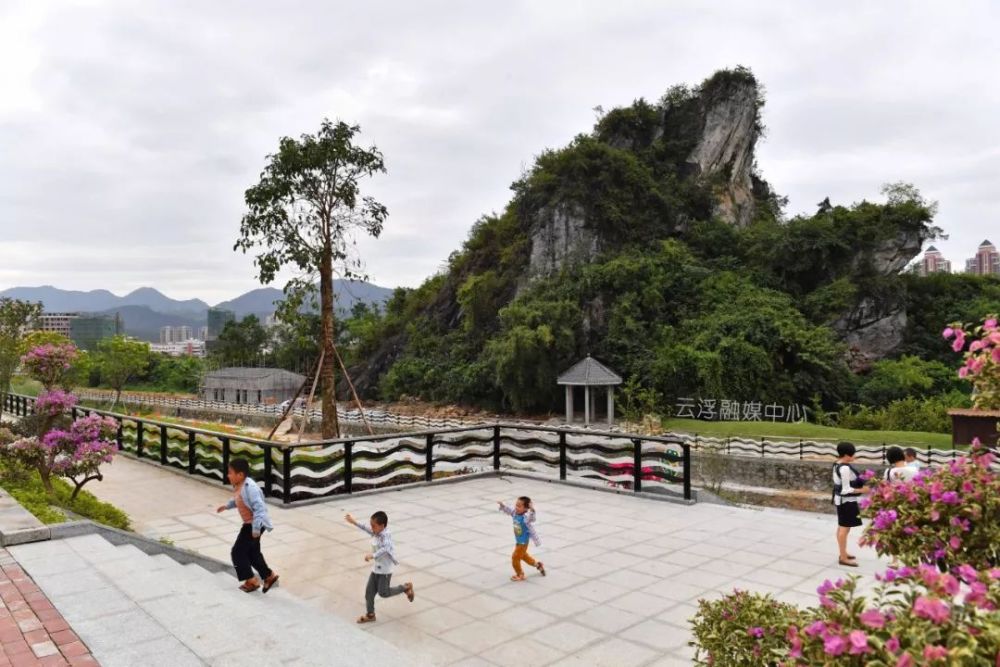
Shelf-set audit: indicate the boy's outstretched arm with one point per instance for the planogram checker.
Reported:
(351, 520)
(505, 509)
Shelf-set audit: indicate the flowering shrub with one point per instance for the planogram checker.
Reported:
(75, 453)
(52, 444)
(742, 629)
(981, 359)
(946, 515)
(80, 451)
(50, 363)
(54, 403)
(916, 616)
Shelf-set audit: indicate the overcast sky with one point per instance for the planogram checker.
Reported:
(129, 130)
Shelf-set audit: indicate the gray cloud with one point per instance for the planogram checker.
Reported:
(130, 130)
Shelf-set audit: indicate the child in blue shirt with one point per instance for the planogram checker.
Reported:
(523, 515)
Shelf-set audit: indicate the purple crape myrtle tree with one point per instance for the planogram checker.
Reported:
(52, 443)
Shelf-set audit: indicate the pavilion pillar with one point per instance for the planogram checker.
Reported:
(569, 404)
(586, 405)
(611, 405)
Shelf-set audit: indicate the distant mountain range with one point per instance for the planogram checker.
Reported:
(146, 309)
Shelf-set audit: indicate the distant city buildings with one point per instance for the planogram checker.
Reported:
(179, 334)
(191, 348)
(203, 333)
(985, 263)
(85, 330)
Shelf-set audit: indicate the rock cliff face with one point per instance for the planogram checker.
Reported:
(725, 151)
(876, 327)
(559, 236)
(715, 127)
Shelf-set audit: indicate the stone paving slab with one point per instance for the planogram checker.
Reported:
(625, 573)
(32, 630)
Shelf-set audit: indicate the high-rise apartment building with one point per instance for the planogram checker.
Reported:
(986, 262)
(934, 262)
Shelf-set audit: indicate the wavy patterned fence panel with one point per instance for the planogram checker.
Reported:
(315, 471)
(462, 452)
(531, 451)
(662, 466)
(388, 462)
(608, 460)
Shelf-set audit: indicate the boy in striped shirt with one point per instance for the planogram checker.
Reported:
(383, 559)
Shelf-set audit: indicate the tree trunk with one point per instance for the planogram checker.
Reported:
(331, 427)
(46, 478)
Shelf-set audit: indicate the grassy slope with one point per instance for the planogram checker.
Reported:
(757, 430)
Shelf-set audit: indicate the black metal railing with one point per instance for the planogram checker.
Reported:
(295, 472)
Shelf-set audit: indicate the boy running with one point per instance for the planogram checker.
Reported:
(383, 558)
(523, 515)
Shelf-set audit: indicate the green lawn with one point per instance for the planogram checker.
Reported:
(806, 431)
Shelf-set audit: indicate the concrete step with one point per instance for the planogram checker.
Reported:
(131, 608)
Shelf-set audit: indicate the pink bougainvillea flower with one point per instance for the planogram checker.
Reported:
(967, 573)
(933, 609)
(755, 632)
(815, 628)
(948, 333)
(934, 653)
(858, 641)
(905, 660)
(873, 618)
(834, 645)
(990, 324)
(892, 646)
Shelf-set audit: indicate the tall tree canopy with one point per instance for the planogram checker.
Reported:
(241, 343)
(303, 215)
(15, 316)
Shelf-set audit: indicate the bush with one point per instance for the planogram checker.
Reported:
(908, 414)
(916, 616)
(741, 630)
(946, 515)
(892, 380)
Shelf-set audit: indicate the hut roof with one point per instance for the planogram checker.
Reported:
(589, 372)
(253, 378)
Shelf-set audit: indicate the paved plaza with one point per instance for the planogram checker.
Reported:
(624, 573)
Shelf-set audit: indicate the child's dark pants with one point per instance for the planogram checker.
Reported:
(246, 555)
(379, 583)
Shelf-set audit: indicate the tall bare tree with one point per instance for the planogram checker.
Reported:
(304, 214)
